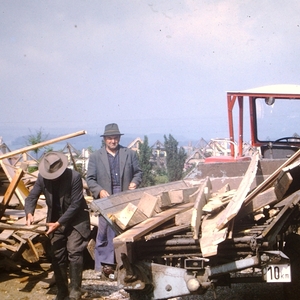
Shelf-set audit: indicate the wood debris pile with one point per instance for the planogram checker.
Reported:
(205, 220)
(235, 219)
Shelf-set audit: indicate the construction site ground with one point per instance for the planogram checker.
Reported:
(33, 284)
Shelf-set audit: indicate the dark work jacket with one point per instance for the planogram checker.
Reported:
(72, 202)
(98, 174)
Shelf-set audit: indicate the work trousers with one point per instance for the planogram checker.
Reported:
(67, 245)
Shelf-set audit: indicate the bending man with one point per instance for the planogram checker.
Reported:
(68, 221)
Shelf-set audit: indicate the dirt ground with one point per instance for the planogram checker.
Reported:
(36, 285)
(33, 284)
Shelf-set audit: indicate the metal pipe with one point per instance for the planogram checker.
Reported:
(234, 266)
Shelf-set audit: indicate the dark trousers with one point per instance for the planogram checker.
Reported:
(67, 246)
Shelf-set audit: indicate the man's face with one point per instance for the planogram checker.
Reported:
(112, 142)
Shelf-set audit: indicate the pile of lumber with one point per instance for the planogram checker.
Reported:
(223, 215)
(151, 205)
(17, 240)
(214, 218)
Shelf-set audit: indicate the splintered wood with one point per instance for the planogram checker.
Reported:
(223, 210)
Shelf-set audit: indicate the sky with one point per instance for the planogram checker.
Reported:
(150, 66)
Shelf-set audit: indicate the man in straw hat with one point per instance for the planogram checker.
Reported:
(111, 169)
(68, 220)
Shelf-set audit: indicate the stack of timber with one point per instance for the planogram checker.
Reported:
(150, 205)
(208, 221)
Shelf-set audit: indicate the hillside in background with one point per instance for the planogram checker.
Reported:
(92, 141)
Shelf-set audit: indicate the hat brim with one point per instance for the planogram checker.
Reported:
(47, 175)
(111, 134)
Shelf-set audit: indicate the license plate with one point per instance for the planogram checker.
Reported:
(277, 273)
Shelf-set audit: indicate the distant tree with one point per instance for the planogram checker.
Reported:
(144, 160)
(175, 158)
(90, 149)
(161, 175)
(33, 139)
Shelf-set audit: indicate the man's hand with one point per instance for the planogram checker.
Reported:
(103, 194)
(30, 219)
(132, 186)
(52, 227)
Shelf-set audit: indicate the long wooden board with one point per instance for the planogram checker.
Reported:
(10, 191)
(211, 236)
(236, 202)
(21, 191)
(203, 194)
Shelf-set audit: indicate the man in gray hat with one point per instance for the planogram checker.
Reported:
(111, 169)
(68, 220)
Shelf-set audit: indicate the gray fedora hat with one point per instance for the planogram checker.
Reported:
(53, 164)
(111, 129)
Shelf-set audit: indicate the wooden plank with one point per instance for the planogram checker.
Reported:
(117, 202)
(146, 226)
(40, 145)
(164, 200)
(9, 247)
(291, 201)
(166, 232)
(21, 191)
(215, 205)
(181, 195)
(123, 217)
(39, 215)
(31, 254)
(271, 179)
(15, 227)
(147, 204)
(218, 201)
(211, 236)
(214, 227)
(184, 218)
(176, 196)
(268, 197)
(201, 200)
(6, 234)
(235, 204)
(10, 191)
(284, 181)
(129, 216)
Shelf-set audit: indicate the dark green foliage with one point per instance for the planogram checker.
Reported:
(144, 160)
(175, 158)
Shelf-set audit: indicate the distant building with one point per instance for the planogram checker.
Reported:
(159, 154)
(134, 145)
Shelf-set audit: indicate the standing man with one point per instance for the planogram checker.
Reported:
(111, 169)
(68, 220)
